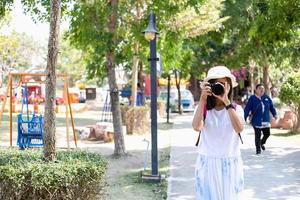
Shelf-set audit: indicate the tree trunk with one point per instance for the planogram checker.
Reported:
(49, 121)
(135, 60)
(298, 118)
(114, 93)
(195, 87)
(134, 77)
(266, 79)
(177, 79)
(251, 71)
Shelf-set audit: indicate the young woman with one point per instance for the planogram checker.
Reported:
(219, 166)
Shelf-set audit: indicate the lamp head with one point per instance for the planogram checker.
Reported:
(151, 31)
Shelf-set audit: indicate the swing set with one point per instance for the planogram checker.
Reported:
(31, 125)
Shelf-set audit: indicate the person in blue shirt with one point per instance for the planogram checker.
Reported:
(260, 106)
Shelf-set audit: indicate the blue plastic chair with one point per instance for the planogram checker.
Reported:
(30, 126)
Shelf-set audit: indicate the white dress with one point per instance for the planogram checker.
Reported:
(219, 166)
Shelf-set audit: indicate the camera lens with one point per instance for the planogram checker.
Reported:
(217, 88)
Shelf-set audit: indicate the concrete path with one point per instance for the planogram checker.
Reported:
(275, 175)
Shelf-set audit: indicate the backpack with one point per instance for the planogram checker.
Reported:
(204, 116)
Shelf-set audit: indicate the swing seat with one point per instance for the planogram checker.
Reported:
(30, 131)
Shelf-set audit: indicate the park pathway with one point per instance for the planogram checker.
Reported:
(274, 175)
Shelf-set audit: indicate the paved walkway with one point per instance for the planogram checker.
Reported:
(275, 175)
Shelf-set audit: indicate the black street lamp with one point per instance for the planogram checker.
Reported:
(151, 35)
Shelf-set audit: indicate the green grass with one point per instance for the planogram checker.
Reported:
(287, 133)
(130, 186)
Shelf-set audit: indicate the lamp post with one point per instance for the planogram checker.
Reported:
(150, 35)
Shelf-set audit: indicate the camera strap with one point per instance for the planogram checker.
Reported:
(204, 116)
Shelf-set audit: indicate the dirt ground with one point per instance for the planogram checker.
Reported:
(123, 174)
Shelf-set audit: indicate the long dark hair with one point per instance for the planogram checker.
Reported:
(211, 100)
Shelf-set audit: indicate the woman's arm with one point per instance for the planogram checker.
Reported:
(235, 121)
(198, 120)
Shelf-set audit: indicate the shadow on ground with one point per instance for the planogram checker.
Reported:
(273, 175)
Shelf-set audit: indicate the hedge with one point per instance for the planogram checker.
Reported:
(74, 175)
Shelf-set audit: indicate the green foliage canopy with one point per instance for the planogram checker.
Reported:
(290, 90)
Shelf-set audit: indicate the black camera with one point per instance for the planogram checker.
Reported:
(217, 88)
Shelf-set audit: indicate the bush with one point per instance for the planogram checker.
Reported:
(74, 175)
(290, 94)
(136, 119)
(161, 107)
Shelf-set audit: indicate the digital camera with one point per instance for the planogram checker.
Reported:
(217, 88)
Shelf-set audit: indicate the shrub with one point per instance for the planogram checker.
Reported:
(161, 107)
(136, 119)
(74, 175)
(290, 94)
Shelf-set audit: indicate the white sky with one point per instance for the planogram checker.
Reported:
(24, 24)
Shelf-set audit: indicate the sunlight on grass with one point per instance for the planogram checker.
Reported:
(131, 186)
(285, 133)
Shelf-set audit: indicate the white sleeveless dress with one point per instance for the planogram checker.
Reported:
(219, 166)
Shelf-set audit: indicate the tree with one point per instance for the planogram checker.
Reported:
(5, 6)
(190, 26)
(116, 45)
(258, 31)
(114, 93)
(71, 62)
(17, 52)
(49, 124)
(93, 29)
(260, 34)
(290, 94)
(8, 54)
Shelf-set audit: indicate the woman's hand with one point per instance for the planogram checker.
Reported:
(224, 96)
(205, 91)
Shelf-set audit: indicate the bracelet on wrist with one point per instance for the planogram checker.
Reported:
(229, 106)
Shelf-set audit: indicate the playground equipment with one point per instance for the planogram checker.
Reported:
(33, 125)
(30, 126)
(106, 115)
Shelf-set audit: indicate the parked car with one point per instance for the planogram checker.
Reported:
(187, 99)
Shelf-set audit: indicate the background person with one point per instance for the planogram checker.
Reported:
(260, 106)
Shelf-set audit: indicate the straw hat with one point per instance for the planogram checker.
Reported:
(221, 72)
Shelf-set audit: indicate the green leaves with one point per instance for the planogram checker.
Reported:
(5, 6)
(75, 175)
(257, 30)
(40, 9)
(70, 61)
(290, 90)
